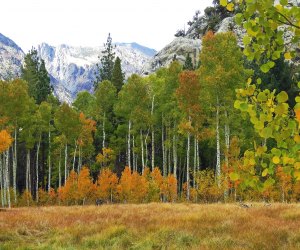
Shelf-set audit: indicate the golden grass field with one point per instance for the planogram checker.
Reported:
(152, 226)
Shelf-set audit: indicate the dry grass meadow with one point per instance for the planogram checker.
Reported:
(152, 226)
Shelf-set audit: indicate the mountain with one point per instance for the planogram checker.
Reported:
(71, 69)
(11, 58)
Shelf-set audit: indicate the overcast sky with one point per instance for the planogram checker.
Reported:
(151, 23)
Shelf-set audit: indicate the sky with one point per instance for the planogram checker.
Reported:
(151, 23)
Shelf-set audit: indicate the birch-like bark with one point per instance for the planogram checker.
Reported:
(152, 148)
(152, 137)
(49, 159)
(15, 163)
(133, 154)
(195, 162)
(79, 165)
(175, 152)
(103, 131)
(1, 181)
(37, 169)
(142, 150)
(7, 178)
(59, 170)
(66, 167)
(146, 149)
(74, 158)
(163, 146)
(188, 166)
(27, 169)
(227, 137)
(4, 179)
(218, 164)
(129, 151)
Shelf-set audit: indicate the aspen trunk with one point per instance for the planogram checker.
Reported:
(152, 148)
(129, 151)
(79, 158)
(15, 163)
(1, 182)
(163, 146)
(146, 149)
(74, 158)
(49, 160)
(195, 162)
(59, 170)
(188, 166)
(152, 137)
(37, 169)
(218, 164)
(227, 138)
(66, 167)
(175, 152)
(7, 178)
(103, 131)
(133, 154)
(4, 178)
(27, 169)
(142, 148)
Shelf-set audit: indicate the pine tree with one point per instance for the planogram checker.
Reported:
(36, 75)
(105, 68)
(117, 75)
(188, 64)
(43, 88)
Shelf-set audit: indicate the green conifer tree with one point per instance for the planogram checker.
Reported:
(36, 75)
(105, 68)
(117, 75)
(188, 64)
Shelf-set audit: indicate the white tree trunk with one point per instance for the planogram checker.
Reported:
(152, 136)
(133, 154)
(49, 159)
(188, 166)
(74, 158)
(142, 150)
(1, 182)
(7, 178)
(163, 147)
(37, 169)
(146, 149)
(4, 178)
(129, 151)
(218, 164)
(15, 163)
(195, 162)
(227, 137)
(79, 159)
(175, 152)
(59, 170)
(66, 167)
(152, 148)
(27, 169)
(103, 131)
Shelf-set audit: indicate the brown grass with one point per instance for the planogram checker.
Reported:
(152, 226)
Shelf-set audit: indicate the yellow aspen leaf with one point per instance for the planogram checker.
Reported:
(264, 173)
(297, 165)
(276, 159)
(223, 3)
(287, 56)
(297, 138)
(297, 175)
(230, 7)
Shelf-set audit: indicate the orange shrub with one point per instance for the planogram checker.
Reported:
(106, 185)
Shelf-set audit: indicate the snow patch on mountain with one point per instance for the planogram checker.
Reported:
(72, 69)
